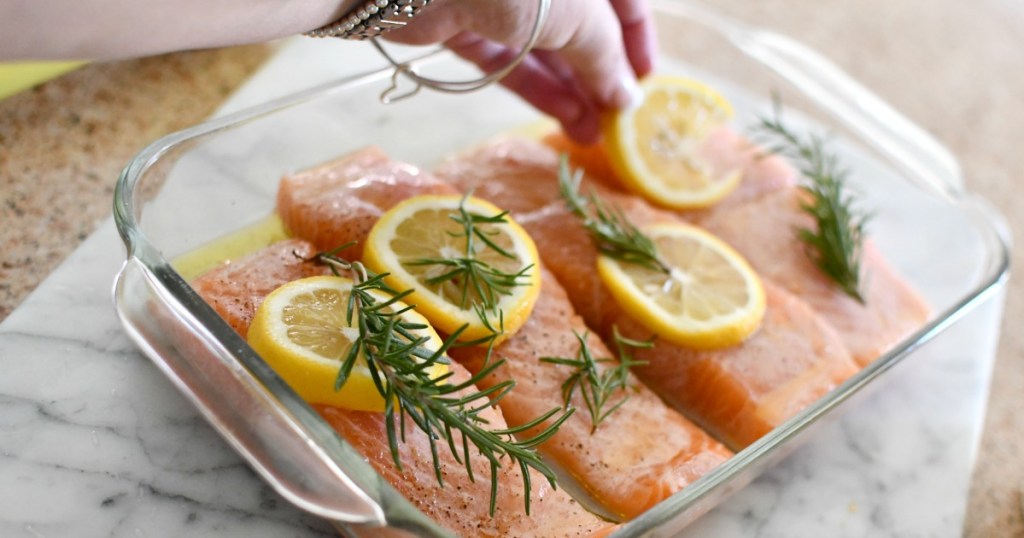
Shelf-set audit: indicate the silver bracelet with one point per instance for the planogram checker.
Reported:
(378, 16)
(371, 19)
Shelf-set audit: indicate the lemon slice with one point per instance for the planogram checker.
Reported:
(710, 299)
(655, 147)
(301, 331)
(424, 228)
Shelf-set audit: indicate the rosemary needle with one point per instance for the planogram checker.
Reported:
(834, 243)
(399, 364)
(597, 386)
(481, 284)
(612, 233)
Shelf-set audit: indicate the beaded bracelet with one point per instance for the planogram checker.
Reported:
(375, 17)
(371, 19)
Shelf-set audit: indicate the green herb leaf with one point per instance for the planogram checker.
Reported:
(596, 385)
(479, 282)
(399, 363)
(835, 242)
(611, 232)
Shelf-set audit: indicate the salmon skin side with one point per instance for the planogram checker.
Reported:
(462, 504)
(764, 232)
(339, 202)
(738, 393)
(236, 289)
(638, 456)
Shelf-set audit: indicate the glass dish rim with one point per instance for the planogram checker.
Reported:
(941, 177)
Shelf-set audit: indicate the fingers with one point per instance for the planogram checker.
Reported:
(637, 33)
(543, 79)
(556, 64)
(587, 34)
(585, 60)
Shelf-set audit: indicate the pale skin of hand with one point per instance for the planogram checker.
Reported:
(585, 62)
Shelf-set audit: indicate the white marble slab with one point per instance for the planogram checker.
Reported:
(95, 442)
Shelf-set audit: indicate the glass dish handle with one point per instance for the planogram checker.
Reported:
(233, 401)
(923, 158)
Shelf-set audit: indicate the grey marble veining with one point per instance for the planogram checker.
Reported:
(897, 464)
(94, 441)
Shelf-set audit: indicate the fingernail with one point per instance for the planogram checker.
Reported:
(629, 95)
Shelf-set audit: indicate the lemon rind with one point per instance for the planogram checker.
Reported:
(314, 379)
(444, 315)
(722, 331)
(635, 173)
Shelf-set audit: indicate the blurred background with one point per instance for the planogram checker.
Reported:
(955, 68)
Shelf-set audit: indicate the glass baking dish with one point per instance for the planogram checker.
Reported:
(195, 186)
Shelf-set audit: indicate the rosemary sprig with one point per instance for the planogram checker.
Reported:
(399, 364)
(479, 282)
(598, 386)
(611, 232)
(835, 242)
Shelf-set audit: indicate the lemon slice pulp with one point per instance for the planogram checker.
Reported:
(301, 331)
(711, 297)
(423, 228)
(655, 148)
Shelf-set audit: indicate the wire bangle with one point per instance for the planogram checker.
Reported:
(407, 70)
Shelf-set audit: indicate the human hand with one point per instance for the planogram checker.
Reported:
(585, 61)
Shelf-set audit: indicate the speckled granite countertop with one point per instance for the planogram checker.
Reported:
(953, 67)
(63, 144)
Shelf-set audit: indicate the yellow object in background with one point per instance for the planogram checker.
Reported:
(15, 77)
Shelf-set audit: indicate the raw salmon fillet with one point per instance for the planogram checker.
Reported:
(738, 393)
(338, 202)
(725, 150)
(638, 456)
(745, 391)
(236, 289)
(461, 505)
(762, 231)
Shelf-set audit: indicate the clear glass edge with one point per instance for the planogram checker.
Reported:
(942, 179)
(996, 274)
(919, 155)
(367, 511)
(396, 510)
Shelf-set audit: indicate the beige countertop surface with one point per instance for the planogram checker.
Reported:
(953, 67)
